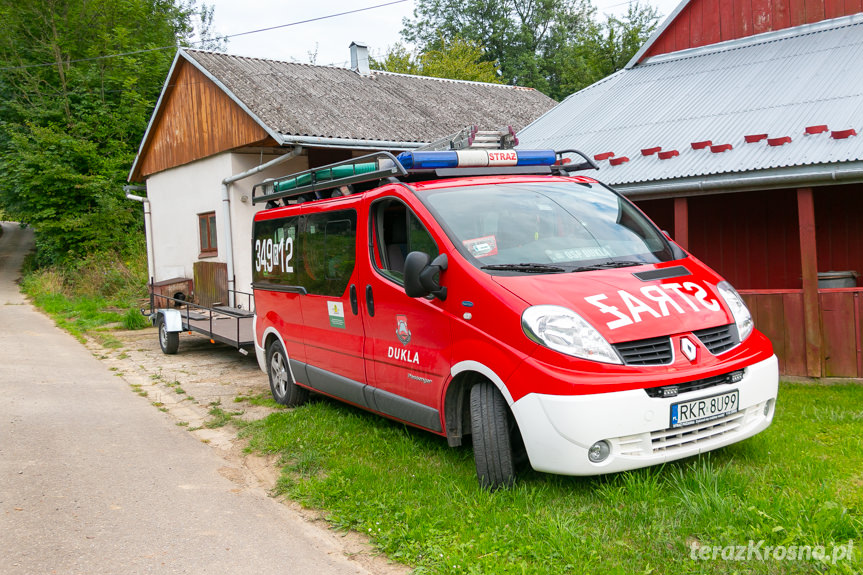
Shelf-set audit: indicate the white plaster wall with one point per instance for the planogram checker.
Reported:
(177, 196)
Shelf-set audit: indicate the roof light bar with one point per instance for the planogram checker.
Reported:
(473, 158)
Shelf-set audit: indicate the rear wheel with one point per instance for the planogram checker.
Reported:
(285, 391)
(169, 341)
(491, 427)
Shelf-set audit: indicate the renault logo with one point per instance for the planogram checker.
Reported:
(688, 348)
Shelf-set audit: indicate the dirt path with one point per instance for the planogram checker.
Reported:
(95, 479)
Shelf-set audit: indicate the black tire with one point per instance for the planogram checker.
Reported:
(491, 427)
(169, 341)
(285, 390)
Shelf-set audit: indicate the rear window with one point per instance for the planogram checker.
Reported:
(315, 252)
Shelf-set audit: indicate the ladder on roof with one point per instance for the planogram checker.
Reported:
(472, 137)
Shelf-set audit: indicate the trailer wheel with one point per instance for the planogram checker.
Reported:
(169, 341)
(491, 427)
(285, 391)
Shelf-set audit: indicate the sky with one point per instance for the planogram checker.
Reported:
(326, 41)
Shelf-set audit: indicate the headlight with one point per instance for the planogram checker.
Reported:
(565, 331)
(741, 314)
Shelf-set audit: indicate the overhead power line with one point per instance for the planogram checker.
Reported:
(316, 19)
(297, 23)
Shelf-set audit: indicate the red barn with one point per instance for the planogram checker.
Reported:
(736, 129)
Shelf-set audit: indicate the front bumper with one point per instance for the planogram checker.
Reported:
(558, 430)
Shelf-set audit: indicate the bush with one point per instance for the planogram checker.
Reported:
(119, 276)
(120, 280)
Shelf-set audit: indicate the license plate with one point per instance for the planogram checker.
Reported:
(704, 409)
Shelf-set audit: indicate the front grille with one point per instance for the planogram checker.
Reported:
(697, 385)
(654, 351)
(673, 439)
(718, 339)
(684, 439)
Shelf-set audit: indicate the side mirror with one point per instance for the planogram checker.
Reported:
(423, 278)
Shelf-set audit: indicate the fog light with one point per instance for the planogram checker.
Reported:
(599, 451)
(767, 407)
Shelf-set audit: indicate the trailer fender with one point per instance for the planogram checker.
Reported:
(173, 319)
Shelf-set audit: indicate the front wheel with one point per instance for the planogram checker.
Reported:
(492, 446)
(169, 341)
(285, 391)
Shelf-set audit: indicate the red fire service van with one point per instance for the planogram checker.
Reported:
(490, 293)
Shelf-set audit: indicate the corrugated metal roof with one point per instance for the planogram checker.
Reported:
(293, 99)
(778, 83)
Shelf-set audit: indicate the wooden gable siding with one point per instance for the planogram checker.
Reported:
(196, 120)
(705, 22)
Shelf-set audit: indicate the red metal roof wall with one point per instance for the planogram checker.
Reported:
(704, 22)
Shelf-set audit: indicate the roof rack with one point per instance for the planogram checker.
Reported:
(465, 154)
(367, 168)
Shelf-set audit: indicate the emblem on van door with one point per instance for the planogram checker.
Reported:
(688, 348)
(402, 331)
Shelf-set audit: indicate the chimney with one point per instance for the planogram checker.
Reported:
(360, 58)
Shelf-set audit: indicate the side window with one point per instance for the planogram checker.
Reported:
(328, 252)
(207, 234)
(397, 232)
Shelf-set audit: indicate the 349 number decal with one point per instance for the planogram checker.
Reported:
(271, 253)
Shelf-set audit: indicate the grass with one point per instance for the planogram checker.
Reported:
(263, 400)
(99, 292)
(77, 315)
(220, 417)
(800, 482)
(133, 319)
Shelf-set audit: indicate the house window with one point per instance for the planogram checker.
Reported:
(207, 234)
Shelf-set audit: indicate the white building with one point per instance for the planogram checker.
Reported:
(221, 116)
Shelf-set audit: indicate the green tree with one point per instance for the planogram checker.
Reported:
(622, 37)
(71, 118)
(457, 59)
(555, 46)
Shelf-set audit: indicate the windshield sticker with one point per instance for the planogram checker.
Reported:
(481, 247)
(690, 294)
(577, 254)
(336, 310)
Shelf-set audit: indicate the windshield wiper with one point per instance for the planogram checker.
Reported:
(525, 267)
(607, 266)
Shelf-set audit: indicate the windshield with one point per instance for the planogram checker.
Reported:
(548, 227)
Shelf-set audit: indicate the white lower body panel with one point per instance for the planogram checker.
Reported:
(558, 430)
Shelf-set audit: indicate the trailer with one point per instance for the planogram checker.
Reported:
(173, 315)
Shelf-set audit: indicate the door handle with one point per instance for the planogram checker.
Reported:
(370, 301)
(354, 304)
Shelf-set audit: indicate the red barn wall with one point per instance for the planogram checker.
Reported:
(704, 22)
(752, 238)
(839, 228)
